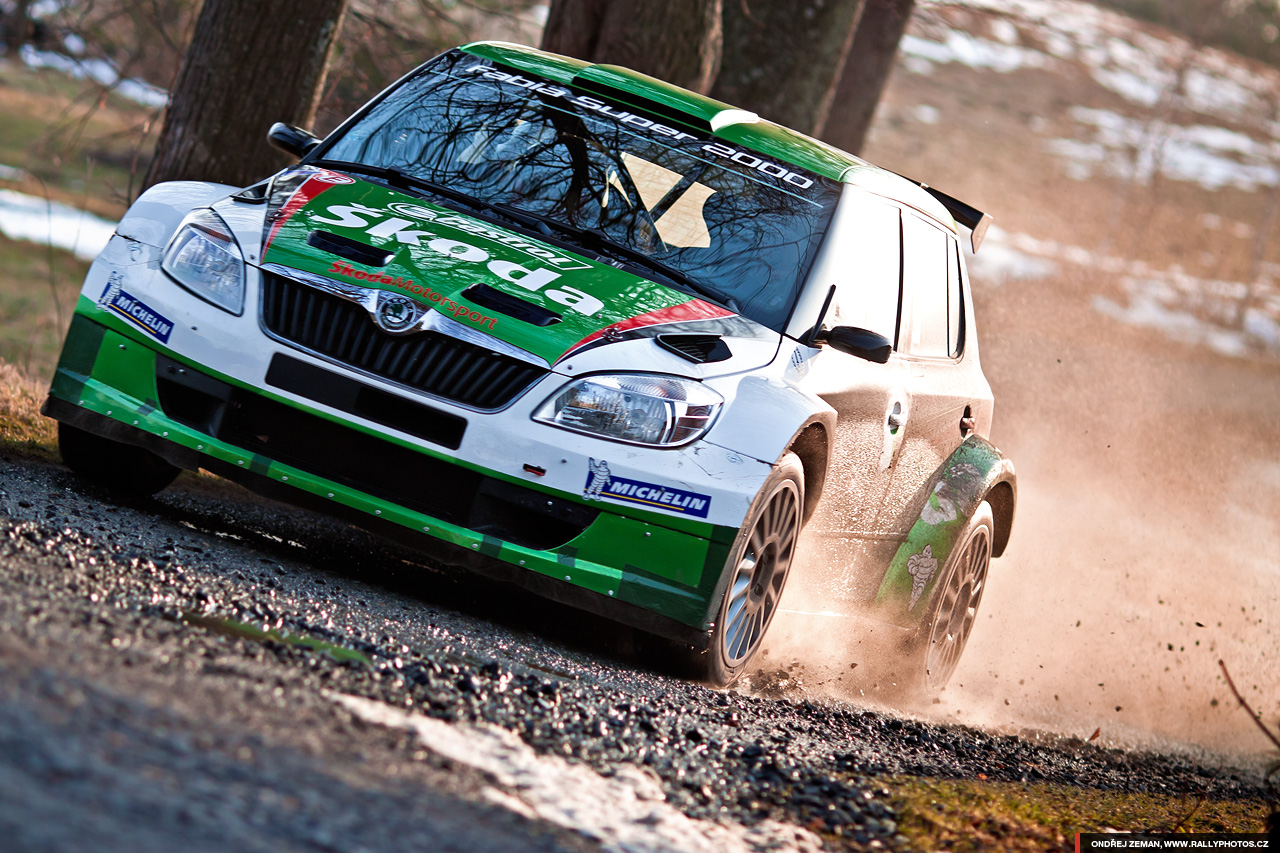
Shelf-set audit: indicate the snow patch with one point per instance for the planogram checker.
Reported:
(1231, 317)
(99, 71)
(1149, 306)
(50, 223)
(1004, 31)
(926, 114)
(1137, 150)
(999, 262)
(1120, 56)
(974, 52)
(627, 811)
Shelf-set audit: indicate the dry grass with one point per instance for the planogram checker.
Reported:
(964, 816)
(73, 144)
(23, 430)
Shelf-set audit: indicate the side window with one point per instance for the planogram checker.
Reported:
(869, 289)
(926, 284)
(955, 301)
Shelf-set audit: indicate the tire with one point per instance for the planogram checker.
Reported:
(956, 601)
(120, 467)
(756, 573)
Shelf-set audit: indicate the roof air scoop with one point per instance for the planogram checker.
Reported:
(724, 118)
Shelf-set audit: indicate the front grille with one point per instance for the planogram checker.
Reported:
(429, 362)
(375, 466)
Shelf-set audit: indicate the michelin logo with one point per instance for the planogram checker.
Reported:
(602, 484)
(119, 302)
(921, 568)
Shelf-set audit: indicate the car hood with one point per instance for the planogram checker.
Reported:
(417, 259)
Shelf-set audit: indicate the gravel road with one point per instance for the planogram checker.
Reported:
(396, 705)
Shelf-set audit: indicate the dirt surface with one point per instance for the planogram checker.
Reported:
(139, 712)
(1148, 460)
(142, 707)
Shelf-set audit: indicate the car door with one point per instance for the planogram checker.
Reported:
(944, 384)
(871, 402)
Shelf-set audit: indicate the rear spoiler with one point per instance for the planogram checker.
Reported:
(970, 217)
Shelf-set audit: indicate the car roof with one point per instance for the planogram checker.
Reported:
(717, 119)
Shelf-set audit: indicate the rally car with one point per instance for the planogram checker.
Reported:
(569, 325)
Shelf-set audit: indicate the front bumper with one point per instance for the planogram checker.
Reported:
(646, 569)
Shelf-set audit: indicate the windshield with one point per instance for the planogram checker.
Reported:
(731, 224)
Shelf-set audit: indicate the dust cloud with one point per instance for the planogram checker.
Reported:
(1144, 549)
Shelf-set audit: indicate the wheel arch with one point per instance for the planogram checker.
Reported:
(1003, 497)
(975, 472)
(812, 443)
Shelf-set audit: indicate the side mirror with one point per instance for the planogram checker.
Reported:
(860, 342)
(291, 140)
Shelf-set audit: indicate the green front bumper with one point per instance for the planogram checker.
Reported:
(639, 572)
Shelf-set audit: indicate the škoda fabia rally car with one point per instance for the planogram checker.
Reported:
(568, 325)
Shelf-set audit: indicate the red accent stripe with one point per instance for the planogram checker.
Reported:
(302, 196)
(694, 309)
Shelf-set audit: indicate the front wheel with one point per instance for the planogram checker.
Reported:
(757, 571)
(956, 602)
(120, 467)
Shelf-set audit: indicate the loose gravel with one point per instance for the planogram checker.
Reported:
(141, 694)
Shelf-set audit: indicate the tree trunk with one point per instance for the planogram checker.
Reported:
(250, 63)
(18, 27)
(678, 41)
(866, 71)
(782, 60)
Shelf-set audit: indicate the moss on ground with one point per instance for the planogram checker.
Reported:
(979, 815)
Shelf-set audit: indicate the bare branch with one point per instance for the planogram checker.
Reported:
(1257, 720)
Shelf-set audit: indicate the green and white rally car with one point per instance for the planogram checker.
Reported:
(571, 326)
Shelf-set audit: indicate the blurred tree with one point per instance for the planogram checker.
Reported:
(866, 71)
(16, 25)
(1248, 27)
(249, 64)
(675, 40)
(382, 39)
(783, 59)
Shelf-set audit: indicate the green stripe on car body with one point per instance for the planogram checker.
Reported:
(84, 339)
(121, 385)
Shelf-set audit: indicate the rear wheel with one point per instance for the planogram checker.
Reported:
(757, 571)
(120, 467)
(956, 602)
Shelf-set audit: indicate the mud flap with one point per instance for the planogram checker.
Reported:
(975, 471)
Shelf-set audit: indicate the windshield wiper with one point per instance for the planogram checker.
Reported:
(403, 180)
(607, 245)
(400, 179)
(603, 244)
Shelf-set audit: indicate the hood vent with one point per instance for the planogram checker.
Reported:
(352, 250)
(700, 349)
(256, 194)
(513, 306)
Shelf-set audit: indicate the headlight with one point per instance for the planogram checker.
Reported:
(204, 257)
(636, 408)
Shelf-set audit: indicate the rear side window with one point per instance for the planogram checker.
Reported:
(932, 309)
(955, 303)
(868, 295)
